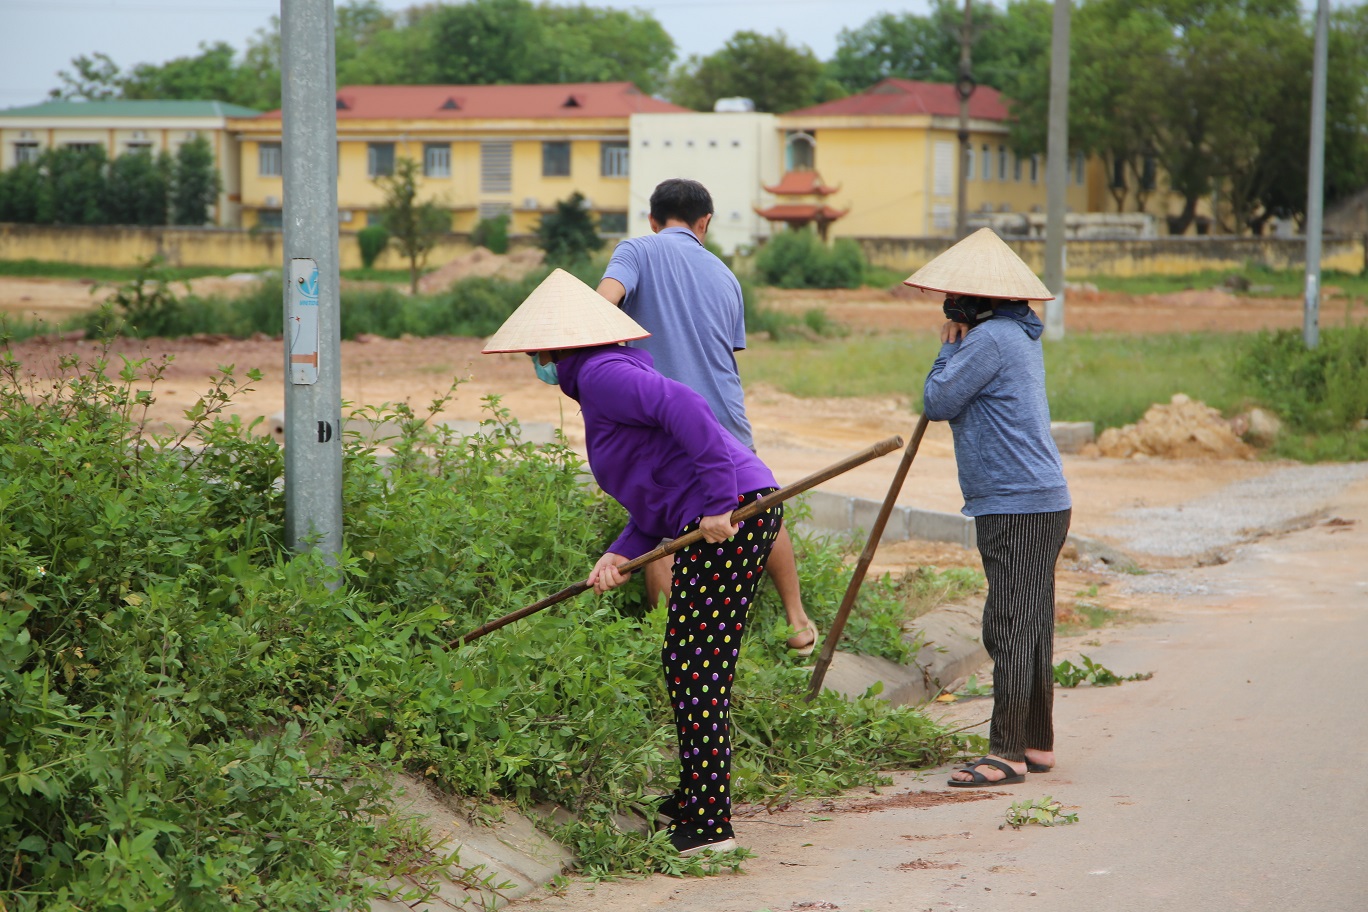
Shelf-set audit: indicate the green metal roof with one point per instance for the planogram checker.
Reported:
(130, 108)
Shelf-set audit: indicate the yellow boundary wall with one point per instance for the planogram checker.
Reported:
(228, 248)
(252, 250)
(1156, 256)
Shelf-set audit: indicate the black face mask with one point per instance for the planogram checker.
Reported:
(967, 309)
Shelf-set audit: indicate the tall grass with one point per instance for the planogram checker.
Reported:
(1257, 280)
(1111, 380)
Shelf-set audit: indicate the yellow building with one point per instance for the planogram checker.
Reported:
(127, 126)
(892, 153)
(483, 150)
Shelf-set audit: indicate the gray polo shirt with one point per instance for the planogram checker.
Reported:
(691, 304)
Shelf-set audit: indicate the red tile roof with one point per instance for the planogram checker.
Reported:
(904, 97)
(800, 212)
(802, 183)
(494, 102)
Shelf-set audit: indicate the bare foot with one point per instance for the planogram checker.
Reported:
(1040, 758)
(991, 773)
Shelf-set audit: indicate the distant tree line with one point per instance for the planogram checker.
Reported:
(81, 186)
(1216, 93)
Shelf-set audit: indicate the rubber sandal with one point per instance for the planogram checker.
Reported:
(1010, 776)
(810, 647)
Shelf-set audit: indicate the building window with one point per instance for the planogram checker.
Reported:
(987, 163)
(83, 147)
(379, 159)
(1002, 163)
(1016, 167)
(555, 159)
(437, 160)
(374, 217)
(268, 159)
(613, 159)
(800, 151)
(612, 223)
(1035, 168)
(496, 167)
(270, 218)
(26, 153)
(133, 148)
(968, 162)
(1118, 181)
(1080, 163)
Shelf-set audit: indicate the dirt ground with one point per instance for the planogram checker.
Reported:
(795, 436)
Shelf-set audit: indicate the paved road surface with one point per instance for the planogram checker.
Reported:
(1236, 779)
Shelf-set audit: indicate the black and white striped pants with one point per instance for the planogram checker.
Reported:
(1019, 551)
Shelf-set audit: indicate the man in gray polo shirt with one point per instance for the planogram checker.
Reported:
(692, 305)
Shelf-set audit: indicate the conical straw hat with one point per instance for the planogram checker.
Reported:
(563, 312)
(984, 266)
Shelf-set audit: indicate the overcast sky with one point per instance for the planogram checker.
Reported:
(40, 37)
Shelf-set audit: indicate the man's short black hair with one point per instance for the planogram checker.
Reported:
(678, 198)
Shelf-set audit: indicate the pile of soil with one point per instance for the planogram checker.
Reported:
(481, 263)
(1182, 429)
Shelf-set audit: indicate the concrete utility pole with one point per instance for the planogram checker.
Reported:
(313, 369)
(964, 87)
(1057, 170)
(1315, 184)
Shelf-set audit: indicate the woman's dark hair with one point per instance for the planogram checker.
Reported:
(678, 198)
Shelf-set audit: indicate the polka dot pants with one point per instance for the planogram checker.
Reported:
(711, 590)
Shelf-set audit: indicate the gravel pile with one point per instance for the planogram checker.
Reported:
(1283, 499)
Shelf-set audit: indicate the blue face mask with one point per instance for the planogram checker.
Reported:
(546, 373)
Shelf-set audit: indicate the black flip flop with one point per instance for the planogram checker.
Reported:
(1010, 776)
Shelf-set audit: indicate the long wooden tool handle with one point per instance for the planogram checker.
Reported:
(751, 509)
(875, 533)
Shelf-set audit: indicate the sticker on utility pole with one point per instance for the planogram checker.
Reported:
(303, 321)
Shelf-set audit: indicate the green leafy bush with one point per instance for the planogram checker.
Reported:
(492, 233)
(373, 239)
(190, 718)
(569, 233)
(799, 259)
(1320, 392)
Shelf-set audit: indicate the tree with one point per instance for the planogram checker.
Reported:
(95, 78)
(489, 42)
(138, 191)
(607, 45)
(569, 234)
(210, 75)
(195, 183)
(73, 192)
(765, 69)
(414, 227)
(20, 190)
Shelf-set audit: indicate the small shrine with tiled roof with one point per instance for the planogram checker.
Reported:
(795, 209)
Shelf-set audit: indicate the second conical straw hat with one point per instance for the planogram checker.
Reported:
(982, 265)
(563, 312)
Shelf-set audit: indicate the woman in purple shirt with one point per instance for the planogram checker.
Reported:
(655, 446)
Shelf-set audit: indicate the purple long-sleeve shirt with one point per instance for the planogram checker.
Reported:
(655, 446)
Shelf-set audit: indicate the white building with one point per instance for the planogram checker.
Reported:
(734, 155)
